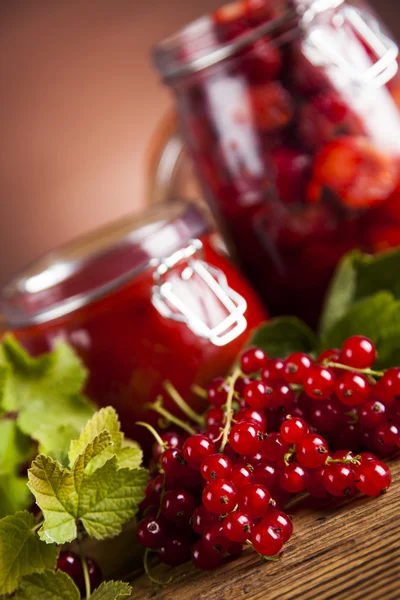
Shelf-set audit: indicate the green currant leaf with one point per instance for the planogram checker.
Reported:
(15, 448)
(282, 336)
(128, 453)
(21, 551)
(112, 590)
(48, 585)
(14, 494)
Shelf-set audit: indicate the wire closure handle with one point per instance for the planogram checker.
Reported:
(172, 305)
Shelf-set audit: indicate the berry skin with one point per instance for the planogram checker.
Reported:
(312, 451)
(175, 550)
(253, 416)
(358, 352)
(173, 463)
(177, 506)
(386, 437)
(196, 449)
(293, 430)
(151, 533)
(280, 521)
(255, 395)
(215, 539)
(371, 413)
(332, 355)
(389, 386)
(219, 497)
(254, 500)
(202, 520)
(204, 557)
(273, 371)
(217, 392)
(320, 383)
(338, 479)
(352, 389)
(372, 477)
(325, 415)
(316, 486)
(241, 475)
(266, 540)
(246, 438)
(214, 417)
(253, 361)
(172, 439)
(71, 564)
(216, 466)
(266, 473)
(282, 397)
(297, 367)
(237, 526)
(293, 478)
(274, 447)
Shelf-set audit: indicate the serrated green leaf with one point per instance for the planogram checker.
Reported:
(21, 551)
(55, 441)
(15, 448)
(112, 590)
(14, 494)
(282, 336)
(48, 585)
(128, 454)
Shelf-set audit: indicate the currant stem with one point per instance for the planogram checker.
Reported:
(36, 527)
(147, 570)
(352, 460)
(288, 455)
(153, 432)
(85, 572)
(199, 391)
(158, 407)
(184, 406)
(335, 365)
(229, 410)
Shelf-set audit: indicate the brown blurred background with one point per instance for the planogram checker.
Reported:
(79, 104)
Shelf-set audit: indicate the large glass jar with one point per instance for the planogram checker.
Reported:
(290, 111)
(149, 299)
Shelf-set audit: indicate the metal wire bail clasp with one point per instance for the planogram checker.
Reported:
(172, 306)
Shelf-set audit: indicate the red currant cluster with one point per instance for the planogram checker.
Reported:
(261, 444)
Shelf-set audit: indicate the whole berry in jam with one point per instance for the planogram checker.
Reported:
(151, 533)
(320, 383)
(237, 526)
(358, 352)
(204, 557)
(71, 564)
(216, 466)
(293, 430)
(312, 451)
(293, 478)
(219, 496)
(266, 539)
(255, 395)
(246, 438)
(253, 361)
(254, 500)
(297, 367)
(196, 449)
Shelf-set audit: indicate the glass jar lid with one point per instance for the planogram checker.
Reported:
(94, 265)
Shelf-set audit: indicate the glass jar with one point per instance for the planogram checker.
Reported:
(290, 111)
(149, 299)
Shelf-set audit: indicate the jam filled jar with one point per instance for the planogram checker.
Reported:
(290, 112)
(148, 299)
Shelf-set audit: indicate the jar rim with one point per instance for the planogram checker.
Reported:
(65, 279)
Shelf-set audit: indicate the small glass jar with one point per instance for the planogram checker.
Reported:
(149, 299)
(290, 111)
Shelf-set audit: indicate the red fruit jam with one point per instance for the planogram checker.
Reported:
(290, 110)
(145, 300)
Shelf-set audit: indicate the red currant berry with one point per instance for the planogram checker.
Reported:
(151, 533)
(214, 417)
(253, 416)
(325, 416)
(348, 436)
(372, 478)
(175, 550)
(215, 539)
(339, 479)
(254, 500)
(237, 526)
(280, 521)
(320, 383)
(202, 520)
(219, 496)
(293, 430)
(196, 449)
(280, 397)
(255, 395)
(386, 437)
(312, 451)
(240, 385)
(266, 540)
(253, 361)
(388, 388)
(204, 557)
(71, 564)
(273, 371)
(173, 463)
(331, 355)
(266, 473)
(246, 438)
(358, 352)
(316, 486)
(274, 447)
(217, 392)
(171, 439)
(216, 466)
(371, 413)
(297, 367)
(293, 478)
(241, 475)
(352, 389)
(177, 506)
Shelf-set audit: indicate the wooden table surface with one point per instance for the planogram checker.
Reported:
(350, 551)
